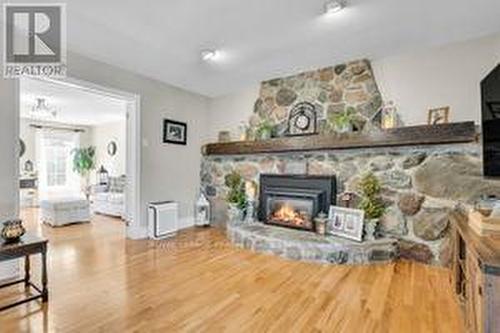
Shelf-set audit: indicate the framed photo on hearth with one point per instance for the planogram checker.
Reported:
(174, 132)
(346, 223)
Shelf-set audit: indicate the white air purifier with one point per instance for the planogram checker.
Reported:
(163, 219)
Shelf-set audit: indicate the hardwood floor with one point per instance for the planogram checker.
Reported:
(199, 282)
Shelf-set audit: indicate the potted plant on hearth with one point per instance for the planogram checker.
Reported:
(371, 203)
(342, 122)
(236, 197)
(83, 163)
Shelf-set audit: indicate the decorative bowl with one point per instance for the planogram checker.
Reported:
(12, 231)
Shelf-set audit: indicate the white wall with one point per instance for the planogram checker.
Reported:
(9, 196)
(169, 172)
(102, 135)
(443, 76)
(227, 112)
(416, 81)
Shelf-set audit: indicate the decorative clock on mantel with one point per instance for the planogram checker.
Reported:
(302, 120)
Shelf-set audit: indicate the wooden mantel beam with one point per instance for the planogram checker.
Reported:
(462, 132)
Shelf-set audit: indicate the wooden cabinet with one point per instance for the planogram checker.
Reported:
(475, 276)
(474, 287)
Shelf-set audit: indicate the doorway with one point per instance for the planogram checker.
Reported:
(56, 136)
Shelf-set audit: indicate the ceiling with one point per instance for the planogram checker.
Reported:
(73, 105)
(262, 39)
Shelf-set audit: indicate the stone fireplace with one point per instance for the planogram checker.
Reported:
(294, 201)
(424, 173)
(420, 185)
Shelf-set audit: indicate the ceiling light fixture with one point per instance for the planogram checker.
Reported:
(333, 6)
(42, 110)
(209, 55)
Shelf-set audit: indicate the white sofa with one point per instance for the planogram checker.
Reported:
(64, 211)
(110, 199)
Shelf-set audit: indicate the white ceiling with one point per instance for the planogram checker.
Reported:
(74, 106)
(262, 39)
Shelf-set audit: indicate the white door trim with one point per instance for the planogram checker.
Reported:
(135, 229)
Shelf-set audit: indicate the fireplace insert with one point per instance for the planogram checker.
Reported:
(294, 201)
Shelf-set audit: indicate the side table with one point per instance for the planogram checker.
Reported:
(28, 245)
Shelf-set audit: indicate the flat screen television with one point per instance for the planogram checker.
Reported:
(490, 95)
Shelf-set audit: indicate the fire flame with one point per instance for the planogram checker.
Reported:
(287, 214)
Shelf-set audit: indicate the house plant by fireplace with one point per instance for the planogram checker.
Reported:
(236, 197)
(371, 203)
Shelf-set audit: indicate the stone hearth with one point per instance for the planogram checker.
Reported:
(307, 246)
(420, 186)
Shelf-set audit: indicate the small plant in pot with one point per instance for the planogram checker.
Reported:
(371, 203)
(342, 122)
(264, 130)
(236, 198)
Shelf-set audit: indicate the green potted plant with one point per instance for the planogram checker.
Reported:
(371, 203)
(264, 130)
(236, 197)
(83, 164)
(342, 122)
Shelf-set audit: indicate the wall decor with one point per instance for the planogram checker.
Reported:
(22, 148)
(302, 120)
(346, 222)
(28, 166)
(112, 148)
(174, 132)
(439, 115)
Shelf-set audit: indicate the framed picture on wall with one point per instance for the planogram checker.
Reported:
(346, 223)
(438, 115)
(174, 132)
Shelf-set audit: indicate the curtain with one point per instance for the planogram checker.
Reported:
(56, 177)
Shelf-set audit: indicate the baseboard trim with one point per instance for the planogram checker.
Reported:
(186, 222)
(137, 232)
(143, 232)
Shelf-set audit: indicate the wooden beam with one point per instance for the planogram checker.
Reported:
(404, 136)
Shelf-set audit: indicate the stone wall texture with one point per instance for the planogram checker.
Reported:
(420, 185)
(330, 89)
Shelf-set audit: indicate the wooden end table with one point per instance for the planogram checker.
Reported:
(28, 245)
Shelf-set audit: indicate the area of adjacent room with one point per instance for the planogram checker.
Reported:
(72, 153)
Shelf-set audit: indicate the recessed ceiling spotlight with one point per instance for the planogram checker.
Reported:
(209, 55)
(333, 6)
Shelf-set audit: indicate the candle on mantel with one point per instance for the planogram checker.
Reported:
(251, 190)
(389, 115)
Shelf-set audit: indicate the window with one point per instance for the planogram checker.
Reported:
(55, 163)
(57, 152)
